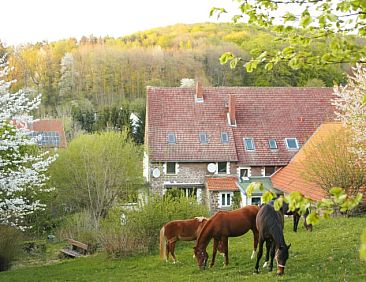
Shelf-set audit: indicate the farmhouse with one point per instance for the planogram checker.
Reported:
(213, 142)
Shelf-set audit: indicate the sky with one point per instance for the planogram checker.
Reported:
(30, 21)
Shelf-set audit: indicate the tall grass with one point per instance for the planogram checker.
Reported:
(10, 240)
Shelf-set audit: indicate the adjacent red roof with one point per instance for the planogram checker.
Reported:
(291, 178)
(50, 125)
(222, 184)
(262, 113)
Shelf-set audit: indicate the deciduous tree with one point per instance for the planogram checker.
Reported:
(22, 165)
(101, 169)
(301, 25)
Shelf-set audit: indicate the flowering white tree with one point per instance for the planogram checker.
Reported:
(22, 166)
(352, 108)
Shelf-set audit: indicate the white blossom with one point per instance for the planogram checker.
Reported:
(22, 172)
(351, 110)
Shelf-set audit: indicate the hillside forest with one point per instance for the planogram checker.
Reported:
(80, 80)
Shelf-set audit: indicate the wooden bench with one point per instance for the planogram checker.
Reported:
(76, 249)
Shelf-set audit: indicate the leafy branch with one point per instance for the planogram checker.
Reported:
(338, 199)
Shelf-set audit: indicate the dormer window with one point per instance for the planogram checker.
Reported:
(224, 138)
(272, 144)
(292, 144)
(171, 138)
(203, 138)
(249, 144)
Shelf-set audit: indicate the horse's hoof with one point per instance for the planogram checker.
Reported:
(255, 271)
(265, 264)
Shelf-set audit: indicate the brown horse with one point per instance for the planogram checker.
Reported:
(185, 230)
(222, 225)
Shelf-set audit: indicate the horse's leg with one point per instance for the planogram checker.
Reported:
(259, 255)
(255, 242)
(296, 220)
(273, 251)
(214, 250)
(268, 250)
(225, 244)
(167, 247)
(172, 248)
(309, 227)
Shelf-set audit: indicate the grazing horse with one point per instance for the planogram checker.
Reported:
(222, 225)
(270, 229)
(185, 230)
(297, 216)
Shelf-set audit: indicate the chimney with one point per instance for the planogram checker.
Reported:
(199, 92)
(232, 109)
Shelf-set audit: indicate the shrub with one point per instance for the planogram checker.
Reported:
(10, 239)
(80, 227)
(140, 233)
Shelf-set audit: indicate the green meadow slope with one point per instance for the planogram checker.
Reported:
(329, 253)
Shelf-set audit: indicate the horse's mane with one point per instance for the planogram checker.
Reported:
(274, 223)
(208, 223)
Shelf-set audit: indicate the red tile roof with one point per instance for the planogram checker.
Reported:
(175, 110)
(262, 113)
(46, 125)
(222, 184)
(290, 178)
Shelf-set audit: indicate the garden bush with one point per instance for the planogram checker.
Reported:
(140, 232)
(10, 240)
(80, 227)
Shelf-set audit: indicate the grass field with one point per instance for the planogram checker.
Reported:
(329, 253)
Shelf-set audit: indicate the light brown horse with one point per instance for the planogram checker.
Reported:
(222, 225)
(185, 230)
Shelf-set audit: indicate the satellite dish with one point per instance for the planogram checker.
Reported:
(156, 172)
(211, 167)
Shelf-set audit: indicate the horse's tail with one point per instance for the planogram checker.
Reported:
(162, 244)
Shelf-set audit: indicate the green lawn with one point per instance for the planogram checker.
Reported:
(329, 253)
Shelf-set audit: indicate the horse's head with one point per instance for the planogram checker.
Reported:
(281, 258)
(201, 257)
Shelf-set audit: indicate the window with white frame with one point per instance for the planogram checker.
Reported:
(256, 200)
(272, 144)
(203, 138)
(172, 138)
(244, 173)
(171, 168)
(292, 143)
(225, 199)
(249, 144)
(222, 167)
(224, 138)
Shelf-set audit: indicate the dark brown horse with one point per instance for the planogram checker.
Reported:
(296, 215)
(185, 230)
(270, 229)
(222, 225)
